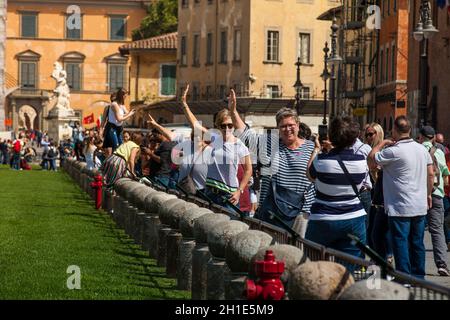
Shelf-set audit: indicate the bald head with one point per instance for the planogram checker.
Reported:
(440, 138)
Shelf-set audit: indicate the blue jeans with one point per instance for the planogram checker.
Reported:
(381, 236)
(16, 161)
(333, 234)
(408, 247)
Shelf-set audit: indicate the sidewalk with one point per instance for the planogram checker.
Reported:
(430, 267)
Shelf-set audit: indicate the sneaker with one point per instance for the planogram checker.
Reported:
(443, 271)
(390, 261)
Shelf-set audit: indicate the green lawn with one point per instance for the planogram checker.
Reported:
(47, 224)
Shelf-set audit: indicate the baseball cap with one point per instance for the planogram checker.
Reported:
(427, 131)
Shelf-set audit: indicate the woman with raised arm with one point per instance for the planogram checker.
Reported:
(116, 115)
(227, 152)
(284, 160)
(192, 156)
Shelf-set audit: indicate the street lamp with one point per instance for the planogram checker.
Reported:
(334, 61)
(424, 31)
(325, 76)
(298, 87)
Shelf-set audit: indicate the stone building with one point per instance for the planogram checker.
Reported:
(251, 46)
(436, 68)
(84, 38)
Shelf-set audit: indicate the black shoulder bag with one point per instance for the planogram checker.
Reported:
(349, 178)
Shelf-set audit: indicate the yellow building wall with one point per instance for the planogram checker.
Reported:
(254, 18)
(51, 45)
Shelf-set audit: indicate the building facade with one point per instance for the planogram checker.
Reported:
(84, 38)
(435, 73)
(152, 72)
(252, 46)
(392, 63)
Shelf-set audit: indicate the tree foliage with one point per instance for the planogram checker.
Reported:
(162, 17)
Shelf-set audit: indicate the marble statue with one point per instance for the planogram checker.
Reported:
(62, 91)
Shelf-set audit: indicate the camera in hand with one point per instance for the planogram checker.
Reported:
(323, 132)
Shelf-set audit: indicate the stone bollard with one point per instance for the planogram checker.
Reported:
(105, 199)
(115, 207)
(378, 289)
(200, 259)
(141, 196)
(130, 221)
(184, 264)
(239, 254)
(201, 254)
(173, 246)
(122, 216)
(152, 232)
(219, 237)
(139, 228)
(163, 232)
(187, 246)
(217, 272)
(319, 280)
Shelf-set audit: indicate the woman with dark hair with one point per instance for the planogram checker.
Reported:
(338, 175)
(123, 159)
(116, 114)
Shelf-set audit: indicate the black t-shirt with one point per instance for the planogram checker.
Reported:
(165, 153)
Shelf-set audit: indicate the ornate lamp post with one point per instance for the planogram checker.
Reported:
(298, 86)
(334, 60)
(424, 31)
(325, 76)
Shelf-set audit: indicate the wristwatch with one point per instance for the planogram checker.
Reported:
(241, 190)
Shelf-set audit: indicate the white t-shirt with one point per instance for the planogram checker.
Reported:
(405, 176)
(199, 168)
(223, 167)
(112, 115)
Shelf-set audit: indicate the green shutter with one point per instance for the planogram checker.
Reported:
(29, 25)
(28, 75)
(117, 29)
(73, 33)
(165, 81)
(112, 78)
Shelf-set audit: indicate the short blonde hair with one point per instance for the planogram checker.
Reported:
(221, 115)
(286, 113)
(379, 136)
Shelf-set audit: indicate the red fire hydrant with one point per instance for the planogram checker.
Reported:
(97, 185)
(268, 286)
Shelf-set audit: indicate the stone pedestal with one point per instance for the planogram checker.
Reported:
(139, 228)
(58, 124)
(173, 247)
(200, 258)
(184, 265)
(217, 272)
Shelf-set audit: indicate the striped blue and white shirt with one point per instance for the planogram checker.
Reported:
(285, 166)
(335, 197)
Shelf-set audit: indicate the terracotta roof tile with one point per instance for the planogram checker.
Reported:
(165, 41)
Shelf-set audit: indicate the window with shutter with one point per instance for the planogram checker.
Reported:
(28, 74)
(29, 25)
(304, 51)
(168, 80)
(116, 76)
(73, 75)
(72, 31)
(117, 28)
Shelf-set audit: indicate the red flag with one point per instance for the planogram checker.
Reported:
(98, 122)
(89, 119)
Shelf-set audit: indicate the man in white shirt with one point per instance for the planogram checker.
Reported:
(407, 185)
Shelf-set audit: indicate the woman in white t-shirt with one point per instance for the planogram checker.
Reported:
(226, 155)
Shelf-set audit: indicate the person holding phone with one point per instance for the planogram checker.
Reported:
(116, 115)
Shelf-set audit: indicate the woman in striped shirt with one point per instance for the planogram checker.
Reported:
(337, 210)
(284, 156)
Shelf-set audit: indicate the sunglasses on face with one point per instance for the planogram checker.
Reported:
(370, 134)
(226, 125)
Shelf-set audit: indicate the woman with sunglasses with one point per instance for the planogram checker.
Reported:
(379, 237)
(226, 155)
(116, 115)
(284, 158)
